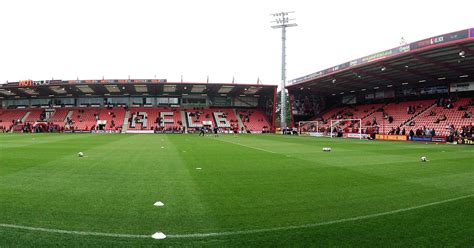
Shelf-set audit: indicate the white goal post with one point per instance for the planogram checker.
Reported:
(308, 127)
(335, 123)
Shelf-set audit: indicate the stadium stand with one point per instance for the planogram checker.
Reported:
(394, 115)
(195, 117)
(113, 117)
(408, 115)
(135, 105)
(11, 117)
(84, 118)
(254, 120)
(226, 119)
(152, 118)
(59, 116)
(443, 119)
(34, 115)
(423, 88)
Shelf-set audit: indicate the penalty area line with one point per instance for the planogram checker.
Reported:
(285, 228)
(48, 230)
(217, 234)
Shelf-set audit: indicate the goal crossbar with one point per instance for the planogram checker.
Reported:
(308, 126)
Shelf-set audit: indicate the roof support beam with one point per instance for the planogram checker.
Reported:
(374, 75)
(414, 72)
(439, 64)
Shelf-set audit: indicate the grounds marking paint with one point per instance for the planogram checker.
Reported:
(39, 229)
(216, 234)
(200, 235)
(256, 148)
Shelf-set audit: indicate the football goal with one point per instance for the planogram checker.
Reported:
(308, 127)
(338, 126)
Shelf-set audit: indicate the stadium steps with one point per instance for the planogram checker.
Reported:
(239, 120)
(125, 121)
(69, 114)
(25, 116)
(371, 113)
(184, 120)
(13, 127)
(418, 115)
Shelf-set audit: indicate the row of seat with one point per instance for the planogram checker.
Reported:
(397, 115)
(86, 118)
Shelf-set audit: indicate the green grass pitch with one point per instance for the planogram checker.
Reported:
(252, 190)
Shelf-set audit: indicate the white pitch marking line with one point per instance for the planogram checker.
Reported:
(197, 235)
(159, 204)
(198, 168)
(39, 229)
(256, 148)
(158, 235)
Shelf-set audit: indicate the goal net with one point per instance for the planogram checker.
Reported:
(338, 128)
(310, 127)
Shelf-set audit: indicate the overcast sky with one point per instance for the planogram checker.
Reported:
(91, 39)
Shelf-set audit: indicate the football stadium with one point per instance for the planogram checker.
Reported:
(373, 152)
(379, 152)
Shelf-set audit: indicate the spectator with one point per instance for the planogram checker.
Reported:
(427, 132)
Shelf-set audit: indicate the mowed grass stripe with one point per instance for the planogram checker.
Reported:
(117, 182)
(21, 152)
(217, 234)
(113, 189)
(260, 176)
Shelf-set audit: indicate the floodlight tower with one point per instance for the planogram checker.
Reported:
(283, 21)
